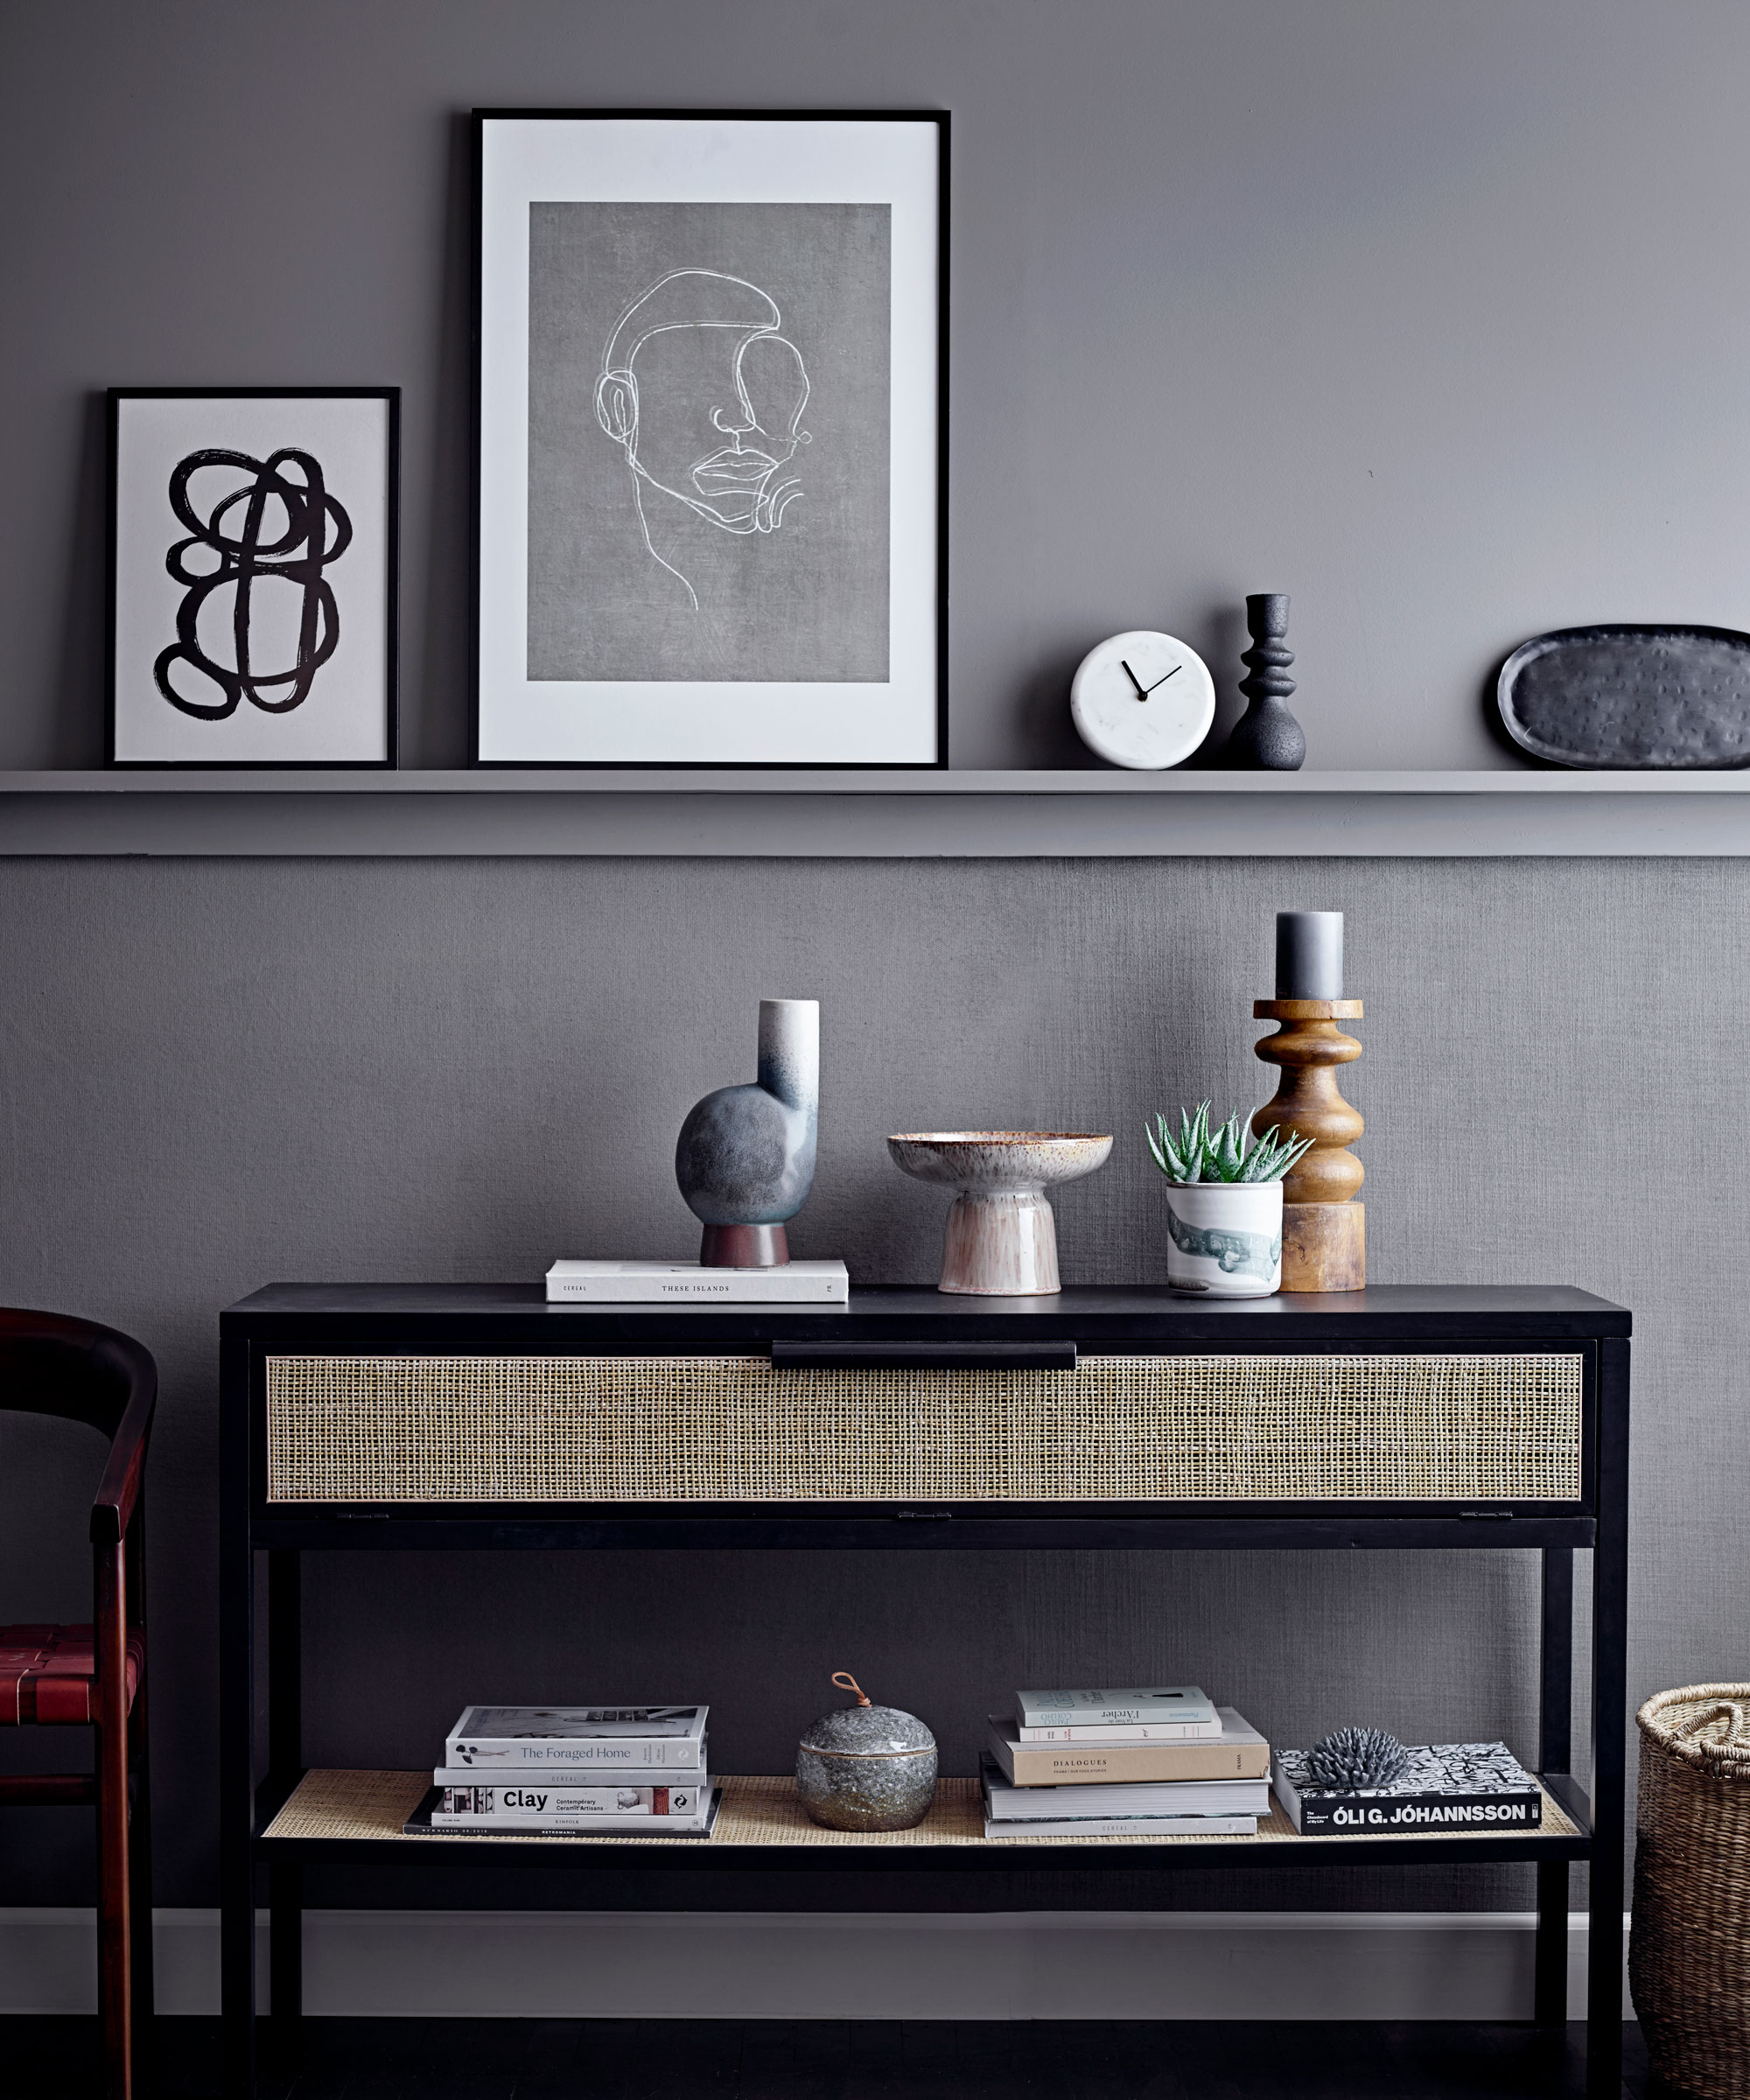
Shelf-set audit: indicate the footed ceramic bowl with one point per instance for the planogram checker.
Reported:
(1001, 1240)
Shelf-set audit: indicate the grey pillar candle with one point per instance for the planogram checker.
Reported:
(1309, 954)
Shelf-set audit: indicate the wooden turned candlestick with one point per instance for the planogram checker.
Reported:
(1324, 1230)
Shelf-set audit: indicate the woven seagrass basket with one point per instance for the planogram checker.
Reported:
(1689, 1952)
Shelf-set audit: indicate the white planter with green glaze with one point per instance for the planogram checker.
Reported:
(1226, 1238)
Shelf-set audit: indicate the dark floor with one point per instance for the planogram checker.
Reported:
(842, 2060)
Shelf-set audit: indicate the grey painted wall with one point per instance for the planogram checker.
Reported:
(217, 1073)
(1420, 309)
(1425, 313)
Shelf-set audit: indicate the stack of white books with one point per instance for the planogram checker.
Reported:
(1153, 1762)
(571, 1772)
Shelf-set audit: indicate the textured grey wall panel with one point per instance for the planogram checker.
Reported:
(1330, 299)
(214, 1073)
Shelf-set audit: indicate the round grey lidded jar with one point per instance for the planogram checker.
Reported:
(866, 1767)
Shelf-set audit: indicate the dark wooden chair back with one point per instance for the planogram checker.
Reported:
(73, 1369)
(53, 1365)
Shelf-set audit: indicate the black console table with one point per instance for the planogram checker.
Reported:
(386, 1417)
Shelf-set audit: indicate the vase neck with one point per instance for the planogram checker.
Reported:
(790, 1052)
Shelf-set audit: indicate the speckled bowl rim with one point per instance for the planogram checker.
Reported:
(863, 1756)
(1000, 1138)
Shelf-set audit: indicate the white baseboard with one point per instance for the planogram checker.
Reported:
(756, 1965)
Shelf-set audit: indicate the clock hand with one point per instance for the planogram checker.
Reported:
(1173, 673)
(1142, 690)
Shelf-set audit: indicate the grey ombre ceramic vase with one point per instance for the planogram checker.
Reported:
(746, 1156)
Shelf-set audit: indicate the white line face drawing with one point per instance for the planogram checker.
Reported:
(705, 397)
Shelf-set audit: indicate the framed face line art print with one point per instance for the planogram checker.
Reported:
(710, 439)
(253, 576)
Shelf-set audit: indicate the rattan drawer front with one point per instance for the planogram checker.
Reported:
(731, 1429)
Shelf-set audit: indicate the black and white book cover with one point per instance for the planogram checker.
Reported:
(428, 1820)
(1446, 1787)
(671, 1737)
(568, 1798)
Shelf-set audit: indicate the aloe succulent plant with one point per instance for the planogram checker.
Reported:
(1200, 1152)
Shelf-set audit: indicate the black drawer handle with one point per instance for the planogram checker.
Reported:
(923, 1355)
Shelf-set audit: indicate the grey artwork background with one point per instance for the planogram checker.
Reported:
(808, 602)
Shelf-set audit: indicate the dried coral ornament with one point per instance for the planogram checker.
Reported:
(1350, 1758)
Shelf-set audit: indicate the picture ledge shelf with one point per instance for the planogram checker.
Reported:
(901, 815)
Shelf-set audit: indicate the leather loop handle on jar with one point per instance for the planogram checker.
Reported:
(845, 1682)
(1728, 1707)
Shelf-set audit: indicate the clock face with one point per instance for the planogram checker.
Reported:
(1143, 700)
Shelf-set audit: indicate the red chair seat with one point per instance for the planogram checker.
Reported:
(48, 1674)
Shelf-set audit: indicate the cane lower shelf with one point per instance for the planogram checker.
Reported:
(363, 1807)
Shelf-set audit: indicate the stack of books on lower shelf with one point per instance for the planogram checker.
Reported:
(571, 1772)
(1124, 1764)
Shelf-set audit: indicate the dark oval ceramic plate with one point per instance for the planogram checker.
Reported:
(1662, 699)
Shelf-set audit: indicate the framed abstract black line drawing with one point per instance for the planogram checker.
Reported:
(710, 439)
(253, 576)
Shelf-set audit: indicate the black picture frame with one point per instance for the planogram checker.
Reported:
(390, 397)
(940, 122)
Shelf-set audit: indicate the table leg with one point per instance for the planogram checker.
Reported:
(285, 1763)
(1555, 1753)
(1609, 1726)
(236, 1741)
(1550, 1996)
